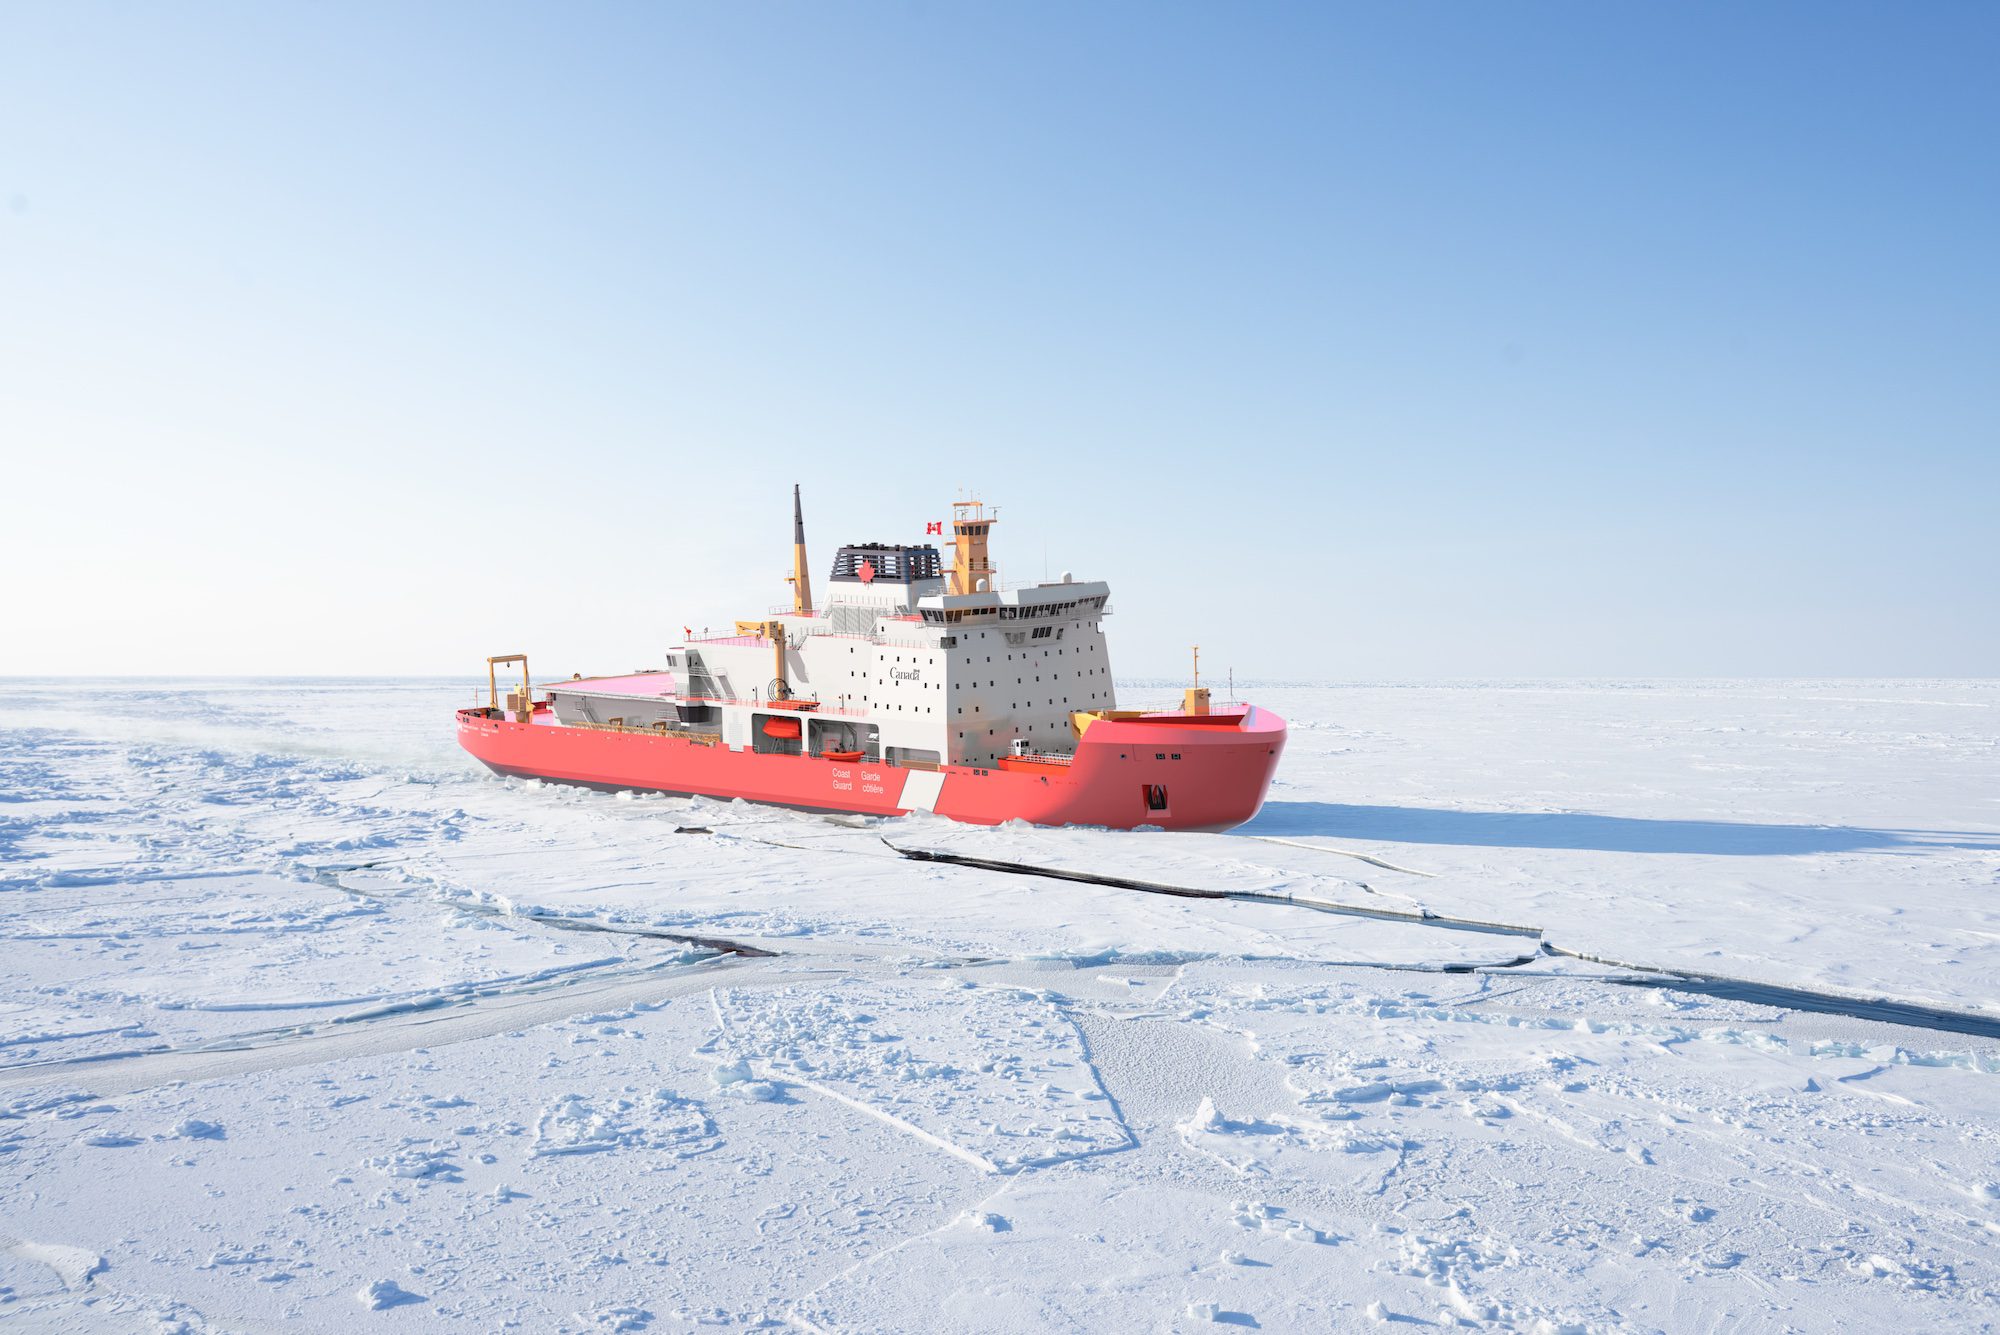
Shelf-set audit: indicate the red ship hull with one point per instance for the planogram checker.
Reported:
(1178, 772)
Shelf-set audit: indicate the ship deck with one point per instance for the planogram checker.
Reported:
(650, 685)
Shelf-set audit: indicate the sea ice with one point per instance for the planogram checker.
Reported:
(489, 1037)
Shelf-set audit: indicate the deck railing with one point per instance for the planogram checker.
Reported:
(653, 730)
(819, 706)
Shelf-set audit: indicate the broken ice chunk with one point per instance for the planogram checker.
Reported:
(380, 1294)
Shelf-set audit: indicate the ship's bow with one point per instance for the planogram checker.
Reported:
(1181, 771)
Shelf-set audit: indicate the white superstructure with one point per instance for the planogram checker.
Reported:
(907, 661)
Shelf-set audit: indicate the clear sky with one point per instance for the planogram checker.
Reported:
(1390, 340)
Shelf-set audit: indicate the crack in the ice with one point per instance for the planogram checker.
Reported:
(329, 876)
(466, 995)
(1368, 858)
(721, 945)
(1423, 917)
(1881, 1010)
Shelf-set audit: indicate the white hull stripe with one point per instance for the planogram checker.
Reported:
(920, 790)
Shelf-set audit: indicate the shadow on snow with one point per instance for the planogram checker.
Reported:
(1604, 834)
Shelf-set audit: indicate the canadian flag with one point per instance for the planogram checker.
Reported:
(936, 526)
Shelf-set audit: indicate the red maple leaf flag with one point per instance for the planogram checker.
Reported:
(937, 527)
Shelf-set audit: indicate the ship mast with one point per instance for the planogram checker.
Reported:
(801, 582)
(799, 579)
(1194, 700)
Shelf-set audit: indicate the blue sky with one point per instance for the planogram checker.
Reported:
(1375, 341)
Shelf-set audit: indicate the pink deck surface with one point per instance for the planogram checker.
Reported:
(652, 684)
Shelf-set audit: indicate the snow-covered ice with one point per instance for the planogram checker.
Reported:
(1536, 1007)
